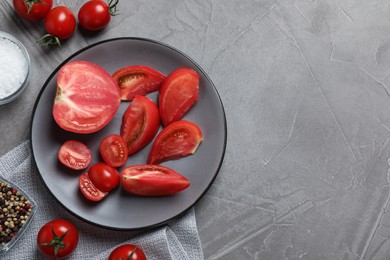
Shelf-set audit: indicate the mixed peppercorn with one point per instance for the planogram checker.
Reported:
(15, 209)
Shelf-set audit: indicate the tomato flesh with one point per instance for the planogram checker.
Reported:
(38, 9)
(152, 180)
(178, 93)
(137, 80)
(123, 252)
(114, 150)
(89, 190)
(105, 178)
(86, 98)
(177, 140)
(140, 124)
(75, 155)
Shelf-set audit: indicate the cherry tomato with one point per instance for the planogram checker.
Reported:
(178, 93)
(152, 180)
(114, 150)
(60, 22)
(57, 239)
(95, 15)
(75, 155)
(32, 10)
(104, 177)
(87, 97)
(140, 124)
(127, 252)
(137, 80)
(178, 139)
(89, 190)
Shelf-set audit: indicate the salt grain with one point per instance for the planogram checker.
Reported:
(13, 67)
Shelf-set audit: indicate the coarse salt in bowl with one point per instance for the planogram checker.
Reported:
(15, 66)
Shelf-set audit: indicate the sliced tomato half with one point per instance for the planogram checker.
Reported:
(75, 155)
(137, 80)
(152, 180)
(87, 97)
(177, 140)
(178, 94)
(89, 190)
(114, 150)
(140, 124)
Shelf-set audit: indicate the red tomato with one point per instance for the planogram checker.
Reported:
(127, 252)
(60, 22)
(87, 97)
(137, 80)
(104, 177)
(178, 139)
(152, 180)
(114, 150)
(89, 190)
(75, 155)
(95, 15)
(140, 124)
(57, 239)
(33, 10)
(178, 94)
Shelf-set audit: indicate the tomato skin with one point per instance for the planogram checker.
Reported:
(89, 190)
(86, 99)
(38, 10)
(140, 124)
(59, 227)
(178, 93)
(137, 80)
(152, 180)
(94, 15)
(75, 155)
(104, 177)
(177, 140)
(124, 251)
(60, 22)
(114, 150)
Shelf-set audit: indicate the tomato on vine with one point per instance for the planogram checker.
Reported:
(96, 14)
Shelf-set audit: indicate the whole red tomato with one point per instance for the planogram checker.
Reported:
(104, 177)
(32, 10)
(96, 14)
(60, 22)
(128, 252)
(57, 239)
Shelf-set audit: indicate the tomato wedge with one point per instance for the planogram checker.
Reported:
(140, 124)
(75, 155)
(178, 94)
(87, 97)
(137, 80)
(89, 190)
(114, 150)
(152, 180)
(177, 140)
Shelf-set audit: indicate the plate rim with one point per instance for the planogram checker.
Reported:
(54, 72)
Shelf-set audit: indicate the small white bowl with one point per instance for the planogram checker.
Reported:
(19, 90)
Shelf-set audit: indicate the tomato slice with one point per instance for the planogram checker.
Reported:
(177, 140)
(75, 155)
(140, 124)
(114, 150)
(87, 97)
(137, 80)
(89, 190)
(105, 178)
(178, 94)
(152, 180)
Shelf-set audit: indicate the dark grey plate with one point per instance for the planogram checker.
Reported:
(120, 210)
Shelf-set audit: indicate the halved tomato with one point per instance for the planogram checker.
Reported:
(87, 97)
(89, 190)
(178, 94)
(75, 155)
(152, 180)
(137, 80)
(140, 124)
(177, 140)
(114, 150)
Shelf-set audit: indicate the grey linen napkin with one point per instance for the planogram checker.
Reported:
(178, 239)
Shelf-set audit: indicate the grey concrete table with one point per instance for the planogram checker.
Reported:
(306, 89)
